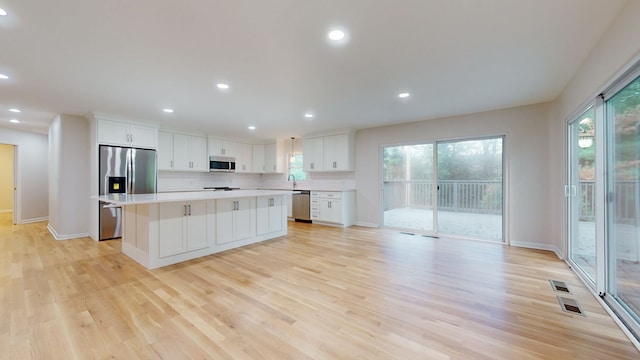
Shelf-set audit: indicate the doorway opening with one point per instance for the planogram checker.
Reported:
(7, 184)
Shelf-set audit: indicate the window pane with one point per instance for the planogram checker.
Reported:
(295, 168)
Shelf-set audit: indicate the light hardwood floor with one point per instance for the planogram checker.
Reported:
(320, 292)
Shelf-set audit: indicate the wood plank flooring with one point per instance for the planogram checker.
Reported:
(319, 293)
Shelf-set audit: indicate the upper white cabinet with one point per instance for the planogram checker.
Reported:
(266, 158)
(126, 134)
(244, 160)
(223, 147)
(182, 152)
(329, 153)
(312, 150)
(338, 153)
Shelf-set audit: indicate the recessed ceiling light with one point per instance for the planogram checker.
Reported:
(2, 12)
(3, 76)
(336, 35)
(308, 116)
(251, 127)
(404, 95)
(167, 110)
(14, 110)
(15, 121)
(222, 86)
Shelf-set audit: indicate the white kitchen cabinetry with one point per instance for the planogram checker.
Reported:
(244, 160)
(236, 219)
(182, 152)
(222, 147)
(266, 158)
(289, 202)
(338, 153)
(182, 227)
(270, 214)
(329, 153)
(125, 134)
(333, 207)
(312, 151)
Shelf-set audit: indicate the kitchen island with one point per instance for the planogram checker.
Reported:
(167, 228)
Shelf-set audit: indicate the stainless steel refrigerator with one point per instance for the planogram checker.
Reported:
(123, 171)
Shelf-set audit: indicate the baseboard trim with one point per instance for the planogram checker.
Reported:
(57, 236)
(29, 221)
(366, 224)
(537, 246)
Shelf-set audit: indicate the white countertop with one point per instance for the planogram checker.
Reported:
(124, 199)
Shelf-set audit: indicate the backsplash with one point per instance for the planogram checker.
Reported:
(181, 181)
(319, 181)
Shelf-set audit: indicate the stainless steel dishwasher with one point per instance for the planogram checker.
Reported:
(300, 206)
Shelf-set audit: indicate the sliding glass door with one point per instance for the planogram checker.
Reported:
(467, 198)
(581, 194)
(623, 240)
(408, 187)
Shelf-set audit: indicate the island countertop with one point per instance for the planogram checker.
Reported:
(134, 199)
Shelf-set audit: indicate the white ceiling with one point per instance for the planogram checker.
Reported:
(131, 59)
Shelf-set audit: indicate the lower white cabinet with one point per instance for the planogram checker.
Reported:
(333, 207)
(168, 232)
(270, 213)
(236, 219)
(182, 227)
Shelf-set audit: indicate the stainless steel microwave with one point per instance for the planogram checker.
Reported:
(222, 164)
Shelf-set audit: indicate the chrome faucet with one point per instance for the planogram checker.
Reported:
(294, 179)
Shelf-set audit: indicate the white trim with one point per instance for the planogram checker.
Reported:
(537, 246)
(29, 221)
(366, 224)
(64, 237)
(601, 195)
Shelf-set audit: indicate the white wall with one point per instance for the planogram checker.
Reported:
(6, 178)
(618, 49)
(32, 173)
(526, 130)
(69, 177)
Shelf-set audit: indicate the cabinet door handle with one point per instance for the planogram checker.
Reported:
(185, 209)
(171, 164)
(189, 209)
(311, 167)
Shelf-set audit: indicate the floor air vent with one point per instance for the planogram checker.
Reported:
(570, 306)
(559, 286)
